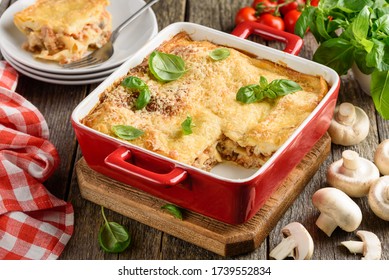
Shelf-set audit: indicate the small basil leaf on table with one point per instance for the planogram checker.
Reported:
(126, 132)
(113, 237)
(166, 67)
(219, 54)
(174, 210)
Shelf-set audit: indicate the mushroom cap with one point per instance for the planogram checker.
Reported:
(338, 207)
(297, 243)
(378, 198)
(352, 174)
(304, 242)
(371, 245)
(381, 157)
(349, 126)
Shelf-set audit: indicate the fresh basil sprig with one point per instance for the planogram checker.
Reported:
(186, 126)
(133, 82)
(126, 132)
(257, 92)
(219, 54)
(351, 32)
(113, 237)
(137, 84)
(166, 67)
(174, 210)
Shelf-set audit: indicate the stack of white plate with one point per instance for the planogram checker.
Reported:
(129, 41)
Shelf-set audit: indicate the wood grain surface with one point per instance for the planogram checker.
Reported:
(212, 235)
(56, 102)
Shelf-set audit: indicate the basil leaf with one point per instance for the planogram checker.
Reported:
(360, 60)
(278, 87)
(138, 84)
(143, 98)
(133, 82)
(247, 94)
(379, 90)
(174, 210)
(113, 237)
(263, 82)
(283, 87)
(126, 132)
(322, 27)
(187, 126)
(382, 25)
(219, 54)
(360, 25)
(303, 21)
(336, 53)
(166, 67)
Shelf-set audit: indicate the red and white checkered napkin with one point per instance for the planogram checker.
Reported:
(33, 223)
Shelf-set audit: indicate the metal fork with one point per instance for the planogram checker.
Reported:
(102, 54)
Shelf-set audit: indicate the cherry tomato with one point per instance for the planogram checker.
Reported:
(314, 3)
(264, 6)
(245, 14)
(287, 5)
(290, 20)
(272, 21)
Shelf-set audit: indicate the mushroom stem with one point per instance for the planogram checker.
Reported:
(355, 247)
(326, 224)
(350, 160)
(346, 113)
(284, 249)
(370, 246)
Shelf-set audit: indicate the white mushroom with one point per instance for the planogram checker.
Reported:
(297, 243)
(352, 174)
(349, 126)
(337, 209)
(370, 246)
(378, 198)
(381, 157)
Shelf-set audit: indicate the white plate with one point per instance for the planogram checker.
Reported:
(103, 73)
(129, 41)
(26, 72)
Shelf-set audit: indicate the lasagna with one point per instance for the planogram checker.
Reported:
(222, 127)
(64, 30)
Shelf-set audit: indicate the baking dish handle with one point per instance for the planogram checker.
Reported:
(293, 42)
(118, 160)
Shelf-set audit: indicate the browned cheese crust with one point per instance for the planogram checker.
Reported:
(224, 128)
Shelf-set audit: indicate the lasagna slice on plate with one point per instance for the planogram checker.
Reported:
(64, 30)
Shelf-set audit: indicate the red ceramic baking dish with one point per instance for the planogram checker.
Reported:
(230, 195)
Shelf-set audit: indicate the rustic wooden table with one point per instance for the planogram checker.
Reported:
(56, 102)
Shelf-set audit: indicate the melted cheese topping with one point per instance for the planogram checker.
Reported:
(223, 127)
(62, 30)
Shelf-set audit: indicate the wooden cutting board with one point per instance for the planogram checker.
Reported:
(215, 236)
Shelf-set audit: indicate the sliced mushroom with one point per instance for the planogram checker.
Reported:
(352, 174)
(349, 126)
(378, 198)
(337, 209)
(297, 243)
(381, 157)
(370, 246)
